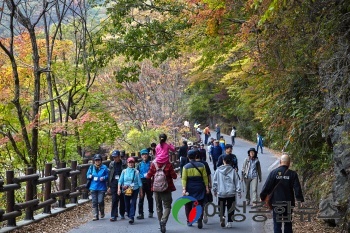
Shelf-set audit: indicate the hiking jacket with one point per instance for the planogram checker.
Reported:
(246, 166)
(143, 167)
(234, 159)
(226, 182)
(215, 152)
(97, 174)
(195, 181)
(127, 177)
(286, 189)
(115, 170)
(183, 151)
(169, 173)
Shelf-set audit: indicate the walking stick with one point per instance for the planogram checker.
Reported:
(242, 184)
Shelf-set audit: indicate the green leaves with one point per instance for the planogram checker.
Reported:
(140, 30)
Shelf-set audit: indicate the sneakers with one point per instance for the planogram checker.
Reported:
(95, 218)
(205, 218)
(189, 224)
(150, 215)
(162, 227)
(113, 219)
(102, 215)
(122, 217)
(140, 216)
(247, 201)
(200, 224)
(131, 221)
(229, 225)
(222, 222)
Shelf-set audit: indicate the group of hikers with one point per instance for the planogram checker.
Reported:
(154, 174)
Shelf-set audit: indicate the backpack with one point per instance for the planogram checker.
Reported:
(160, 183)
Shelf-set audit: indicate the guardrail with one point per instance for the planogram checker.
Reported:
(71, 188)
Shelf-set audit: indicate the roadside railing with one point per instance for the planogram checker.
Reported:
(71, 190)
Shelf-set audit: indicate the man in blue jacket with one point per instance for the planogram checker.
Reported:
(98, 173)
(215, 152)
(143, 168)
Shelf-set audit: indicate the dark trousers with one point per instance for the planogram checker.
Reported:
(163, 204)
(227, 202)
(146, 187)
(277, 223)
(215, 161)
(117, 199)
(189, 206)
(233, 140)
(206, 136)
(218, 136)
(261, 148)
(130, 203)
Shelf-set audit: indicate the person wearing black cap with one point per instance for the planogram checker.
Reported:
(195, 183)
(115, 169)
(98, 173)
(202, 152)
(182, 154)
(215, 152)
(233, 160)
(251, 171)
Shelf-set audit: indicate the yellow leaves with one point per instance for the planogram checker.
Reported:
(212, 27)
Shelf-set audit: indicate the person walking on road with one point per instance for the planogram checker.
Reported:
(222, 143)
(163, 198)
(283, 187)
(215, 152)
(183, 155)
(217, 130)
(195, 183)
(115, 169)
(98, 174)
(210, 145)
(233, 135)
(143, 168)
(202, 152)
(226, 185)
(259, 142)
(206, 134)
(208, 196)
(130, 183)
(251, 172)
(228, 152)
(152, 150)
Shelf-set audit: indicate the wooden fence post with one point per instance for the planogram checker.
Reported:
(83, 180)
(10, 199)
(47, 187)
(29, 194)
(74, 181)
(62, 186)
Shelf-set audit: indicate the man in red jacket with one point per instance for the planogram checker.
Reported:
(163, 199)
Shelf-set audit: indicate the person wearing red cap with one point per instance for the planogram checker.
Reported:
(130, 179)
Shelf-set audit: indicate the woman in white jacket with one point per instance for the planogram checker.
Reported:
(226, 185)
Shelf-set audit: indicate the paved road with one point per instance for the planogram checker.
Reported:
(151, 224)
